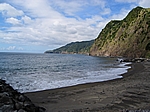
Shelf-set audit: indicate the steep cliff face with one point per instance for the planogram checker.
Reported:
(129, 37)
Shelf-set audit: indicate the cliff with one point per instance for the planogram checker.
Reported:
(129, 37)
(74, 47)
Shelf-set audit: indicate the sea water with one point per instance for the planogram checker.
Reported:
(35, 72)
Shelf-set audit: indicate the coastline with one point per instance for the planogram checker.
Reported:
(130, 92)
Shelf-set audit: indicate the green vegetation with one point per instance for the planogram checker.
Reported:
(129, 37)
(133, 15)
(74, 47)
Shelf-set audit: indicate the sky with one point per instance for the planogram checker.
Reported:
(40, 25)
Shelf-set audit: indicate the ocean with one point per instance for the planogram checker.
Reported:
(29, 72)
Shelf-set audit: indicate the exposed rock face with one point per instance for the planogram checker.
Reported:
(13, 101)
(129, 37)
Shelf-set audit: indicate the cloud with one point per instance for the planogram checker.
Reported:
(38, 8)
(55, 22)
(78, 8)
(144, 3)
(123, 13)
(26, 20)
(20, 48)
(68, 7)
(128, 1)
(49, 28)
(106, 11)
(101, 3)
(8, 10)
(11, 48)
(13, 21)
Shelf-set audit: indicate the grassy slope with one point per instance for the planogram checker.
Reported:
(129, 37)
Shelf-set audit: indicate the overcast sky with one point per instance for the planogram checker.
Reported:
(39, 25)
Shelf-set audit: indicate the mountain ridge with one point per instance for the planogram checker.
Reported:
(129, 37)
(82, 47)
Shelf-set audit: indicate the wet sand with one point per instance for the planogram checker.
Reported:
(132, 92)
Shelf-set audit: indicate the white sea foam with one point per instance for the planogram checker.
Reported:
(55, 71)
(39, 82)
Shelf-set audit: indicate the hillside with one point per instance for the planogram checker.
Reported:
(129, 37)
(74, 47)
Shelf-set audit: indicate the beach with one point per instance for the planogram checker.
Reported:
(132, 92)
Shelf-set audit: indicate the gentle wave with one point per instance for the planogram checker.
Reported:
(30, 72)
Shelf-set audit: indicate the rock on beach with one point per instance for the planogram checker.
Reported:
(14, 101)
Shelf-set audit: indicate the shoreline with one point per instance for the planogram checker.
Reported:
(130, 92)
(129, 70)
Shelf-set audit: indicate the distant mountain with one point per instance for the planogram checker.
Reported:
(74, 47)
(129, 37)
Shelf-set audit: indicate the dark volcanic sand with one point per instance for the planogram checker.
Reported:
(131, 92)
